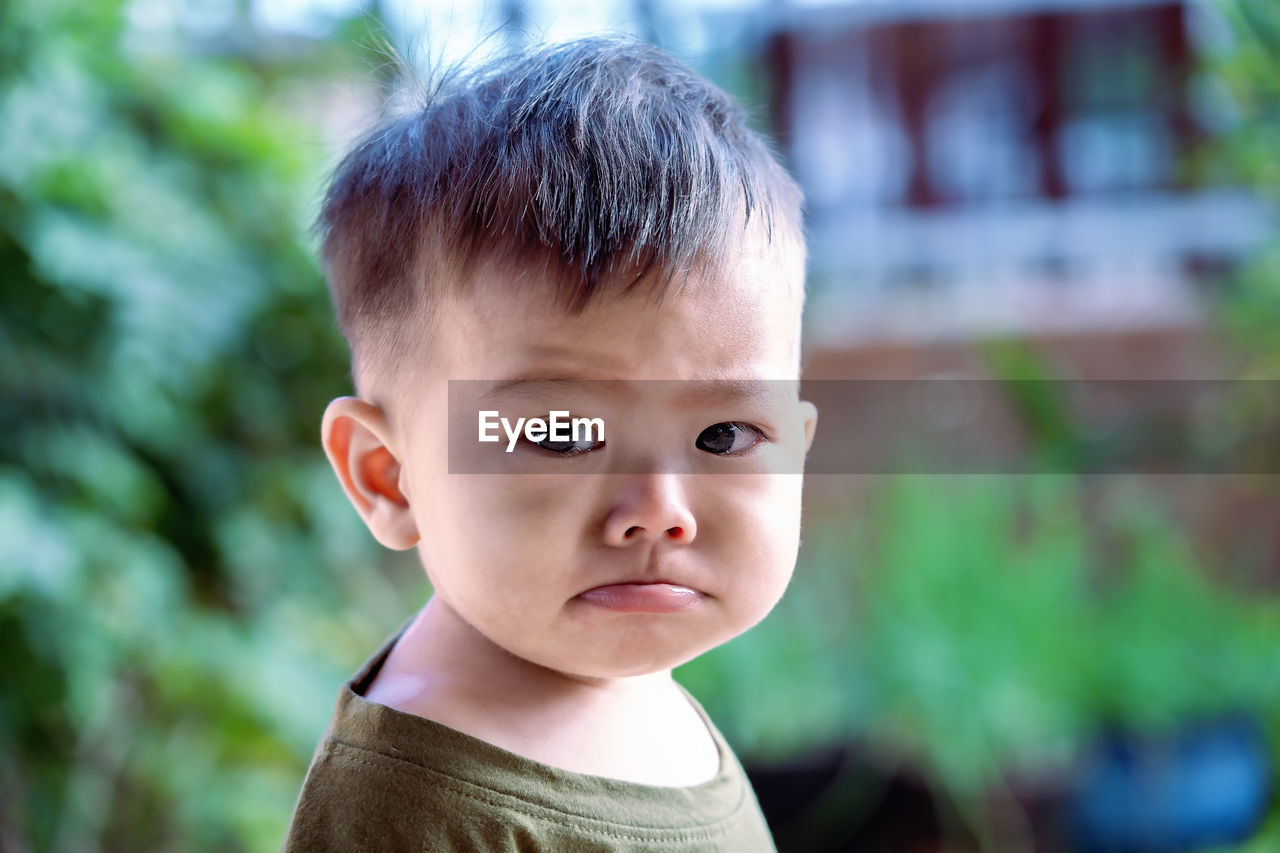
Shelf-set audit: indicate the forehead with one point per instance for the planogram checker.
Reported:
(740, 321)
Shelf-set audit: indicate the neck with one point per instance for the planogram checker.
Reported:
(452, 655)
(638, 728)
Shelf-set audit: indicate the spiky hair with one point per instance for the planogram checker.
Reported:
(600, 162)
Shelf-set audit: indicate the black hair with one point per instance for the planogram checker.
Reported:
(602, 161)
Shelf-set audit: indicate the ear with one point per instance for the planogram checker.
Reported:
(810, 413)
(358, 443)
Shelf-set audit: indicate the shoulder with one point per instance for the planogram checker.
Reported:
(356, 799)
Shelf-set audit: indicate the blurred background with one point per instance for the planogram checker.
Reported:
(997, 189)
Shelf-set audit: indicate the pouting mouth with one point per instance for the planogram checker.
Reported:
(648, 596)
(644, 582)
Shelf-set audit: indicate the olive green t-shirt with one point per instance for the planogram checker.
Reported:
(382, 779)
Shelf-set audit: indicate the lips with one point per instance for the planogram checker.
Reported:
(643, 597)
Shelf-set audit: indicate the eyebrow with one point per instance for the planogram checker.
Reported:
(697, 390)
(534, 383)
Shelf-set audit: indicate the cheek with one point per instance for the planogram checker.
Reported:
(490, 521)
(760, 524)
(497, 549)
(495, 502)
(542, 516)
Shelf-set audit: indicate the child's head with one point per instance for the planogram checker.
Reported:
(587, 211)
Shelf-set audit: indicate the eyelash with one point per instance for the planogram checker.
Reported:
(575, 451)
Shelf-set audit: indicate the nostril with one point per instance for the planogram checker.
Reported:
(672, 532)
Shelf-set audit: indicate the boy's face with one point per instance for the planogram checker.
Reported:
(634, 556)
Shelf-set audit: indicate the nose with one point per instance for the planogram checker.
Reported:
(651, 508)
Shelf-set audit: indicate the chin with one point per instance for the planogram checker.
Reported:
(633, 663)
(605, 672)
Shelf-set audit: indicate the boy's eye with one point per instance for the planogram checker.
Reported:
(728, 438)
(569, 448)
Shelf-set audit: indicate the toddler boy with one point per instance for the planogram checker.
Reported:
(558, 231)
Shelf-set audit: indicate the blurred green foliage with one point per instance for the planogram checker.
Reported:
(1248, 64)
(177, 594)
(183, 587)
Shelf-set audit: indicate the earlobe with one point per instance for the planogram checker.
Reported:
(358, 442)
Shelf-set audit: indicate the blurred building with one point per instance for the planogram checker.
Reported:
(1009, 167)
